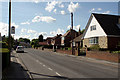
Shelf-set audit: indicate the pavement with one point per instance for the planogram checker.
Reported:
(15, 71)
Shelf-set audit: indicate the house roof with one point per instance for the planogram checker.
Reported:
(109, 23)
(68, 32)
(57, 36)
(77, 39)
(43, 43)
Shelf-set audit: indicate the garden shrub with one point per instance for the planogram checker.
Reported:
(95, 47)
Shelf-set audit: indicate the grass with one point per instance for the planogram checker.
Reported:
(4, 50)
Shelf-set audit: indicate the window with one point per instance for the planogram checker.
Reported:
(93, 40)
(93, 28)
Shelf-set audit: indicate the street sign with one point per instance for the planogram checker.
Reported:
(13, 30)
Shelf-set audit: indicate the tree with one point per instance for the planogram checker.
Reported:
(40, 38)
(34, 43)
(6, 39)
(82, 31)
(24, 40)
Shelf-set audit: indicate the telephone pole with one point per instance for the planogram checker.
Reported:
(71, 31)
(9, 42)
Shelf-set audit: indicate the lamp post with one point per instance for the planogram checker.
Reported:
(9, 41)
(72, 30)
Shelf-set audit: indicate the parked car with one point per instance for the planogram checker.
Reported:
(20, 49)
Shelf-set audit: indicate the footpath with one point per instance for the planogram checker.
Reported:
(15, 71)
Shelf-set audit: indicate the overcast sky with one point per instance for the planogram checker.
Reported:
(50, 18)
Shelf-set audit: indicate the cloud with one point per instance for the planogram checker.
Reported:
(106, 12)
(15, 25)
(61, 6)
(23, 30)
(43, 33)
(4, 28)
(99, 9)
(25, 23)
(47, 19)
(54, 10)
(31, 31)
(59, 31)
(36, 1)
(23, 36)
(62, 12)
(72, 7)
(74, 27)
(50, 6)
(93, 9)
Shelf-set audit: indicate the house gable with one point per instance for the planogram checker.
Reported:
(94, 33)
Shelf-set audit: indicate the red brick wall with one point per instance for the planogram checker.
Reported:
(114, 57)
(64, 51)
(67, 52)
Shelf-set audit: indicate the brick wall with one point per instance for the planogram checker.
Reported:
(114, 57)
(65, 51)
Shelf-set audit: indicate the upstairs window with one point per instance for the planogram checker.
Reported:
(93, 40)
(93, 28)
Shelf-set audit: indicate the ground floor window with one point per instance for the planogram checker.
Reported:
(93, 40)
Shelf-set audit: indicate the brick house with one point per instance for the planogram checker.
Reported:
(102, 29)
(56, 40)
(67, 37)
(48, 40)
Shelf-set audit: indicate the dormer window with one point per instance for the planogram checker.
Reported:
(93, 28)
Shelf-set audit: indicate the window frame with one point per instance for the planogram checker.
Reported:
(93, 40)
(93, 27)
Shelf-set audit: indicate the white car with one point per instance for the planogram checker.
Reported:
(20, 49)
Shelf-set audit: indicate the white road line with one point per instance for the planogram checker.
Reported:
(50, 69)
(44, 65)
(58, 74)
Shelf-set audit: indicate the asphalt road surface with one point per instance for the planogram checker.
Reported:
(42, 64)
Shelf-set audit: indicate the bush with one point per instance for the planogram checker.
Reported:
(69, 48)
(115, 51)
(95, 47)
(3, 45)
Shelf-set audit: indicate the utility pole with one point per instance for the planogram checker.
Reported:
(9, 42)
(71, 31)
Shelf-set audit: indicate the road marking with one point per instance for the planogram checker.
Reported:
(44, 65)
(58, 74)
(50, 69)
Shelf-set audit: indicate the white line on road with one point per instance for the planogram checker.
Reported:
(50, 69)
(38, 61)
(44, 65)
(58, 74)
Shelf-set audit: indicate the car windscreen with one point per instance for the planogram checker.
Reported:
(20, 47)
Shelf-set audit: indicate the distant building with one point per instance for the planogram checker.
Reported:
(41, 38)
(48, 40)
(67, 37)
(102, 30)
(56, 40)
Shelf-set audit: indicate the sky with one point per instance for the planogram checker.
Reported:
(50, 18)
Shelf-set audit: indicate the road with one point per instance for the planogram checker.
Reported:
(42, 64)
